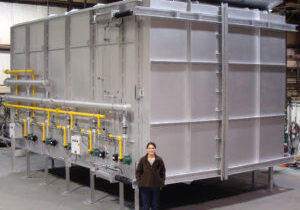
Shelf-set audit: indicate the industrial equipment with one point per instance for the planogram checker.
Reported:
(205, 82)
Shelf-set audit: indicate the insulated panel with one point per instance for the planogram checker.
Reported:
(108, 72)
(204, 42)
(80, 30)
(241, 142)
(168, 92)
(105, 35)
(56, 31)
(57, 73)
(243, 93)
(204, 146)
(19, 36)
(172, 36)
(19, 61)
(242, 45)
(167, 137)
(80, 74)
(272, 93)
(36, 36)
(272, 45)
(37, 64)
(204, 97)
(271, 138)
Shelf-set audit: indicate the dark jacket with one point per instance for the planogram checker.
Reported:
(151, 176)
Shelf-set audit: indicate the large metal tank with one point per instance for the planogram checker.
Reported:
(206, 83)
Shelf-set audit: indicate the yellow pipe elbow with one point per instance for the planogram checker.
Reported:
(64, 128)
(91, 140)
(120, 157)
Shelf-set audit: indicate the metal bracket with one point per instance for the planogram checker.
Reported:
(139, 92)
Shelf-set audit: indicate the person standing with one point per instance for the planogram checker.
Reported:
(150, 177)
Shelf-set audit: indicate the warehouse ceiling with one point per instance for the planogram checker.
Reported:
(69, 4)
(290, 8)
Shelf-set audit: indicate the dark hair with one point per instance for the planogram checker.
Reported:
(151, 143)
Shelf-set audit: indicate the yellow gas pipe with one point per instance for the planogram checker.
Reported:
(120, 145)
(43, 127)
(25, 127)
(90, 139)
(65, 134)
(57, 111)
(71, 113)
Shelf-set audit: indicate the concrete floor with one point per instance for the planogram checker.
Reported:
(18, 192)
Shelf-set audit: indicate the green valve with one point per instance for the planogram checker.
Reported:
(31, 137)
(69, 147)
(127, 160)
(48, 141)
(95, 153)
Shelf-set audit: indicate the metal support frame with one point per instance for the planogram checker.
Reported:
(211, 18)
(52, 163)
(13, 156)
(46, 168)
(270, 178)
(67, 177)
(92, 187)
(136, 198)
(28, 174)
(224, 14)
(121, 195)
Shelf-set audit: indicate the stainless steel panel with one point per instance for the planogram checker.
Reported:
(204, 97)
(272, 95)
(204, 45)
(80, 74)
(56, 34)
(19, 37)
(271, 138)
(170, 34)
(57, 73)
(242, 45)
(80, 30)
(166, 136)
(272, 43)
(203, 146)
(19, 61)
(244, 80)
(241, 142)
(167, 92)
(36, 37)
(37, 62)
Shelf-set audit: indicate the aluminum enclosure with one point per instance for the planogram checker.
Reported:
(206, 83)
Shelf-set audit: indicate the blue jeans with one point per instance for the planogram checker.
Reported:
(150, 197)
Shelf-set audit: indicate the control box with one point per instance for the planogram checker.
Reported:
(79, 144)
(15, 131)
(75, 144)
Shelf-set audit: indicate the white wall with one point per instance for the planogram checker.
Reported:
(14, 13)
